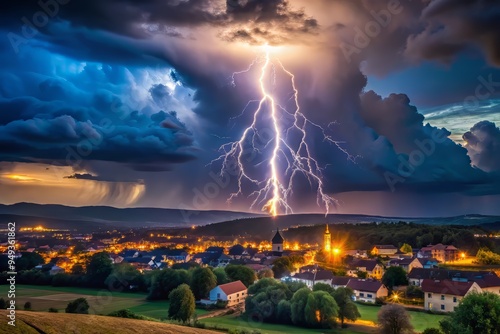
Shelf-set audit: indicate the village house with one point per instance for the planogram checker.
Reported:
(384, 250)
(372, 268)
(367, 290)
(233, 293)
(406, 264)
(310, 278)
(440, 252)
(444, 295)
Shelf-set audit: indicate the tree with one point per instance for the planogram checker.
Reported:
(27, 306)
(320, 310)
(202, 281)
(78, 269)
(99, 268)
(347, 309)
(182, 303)
(79, 305)
(265, 273)
(393, 319)
(125, 278)
(394, 276)
(324, 287)
(362, 274)
(164, 281)
(406, 248)
(485, 256)
(298, 305)
(221, 276)
(241, 273)
(3, 304)
(28, 261)
(432, 331)
(476, 314)
(264, 298)
(284, 312)
(286, 264)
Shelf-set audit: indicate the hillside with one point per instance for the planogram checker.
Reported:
(94, 217)
(63, 323)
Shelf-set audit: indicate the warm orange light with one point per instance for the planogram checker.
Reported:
(336, 251)
(462, 255)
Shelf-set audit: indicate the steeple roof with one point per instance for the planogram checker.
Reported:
(277, 239)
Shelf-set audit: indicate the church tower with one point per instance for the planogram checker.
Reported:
(277, 242)
(327, 240)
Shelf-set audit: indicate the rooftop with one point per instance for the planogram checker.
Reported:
(446, 287)
(233, 287)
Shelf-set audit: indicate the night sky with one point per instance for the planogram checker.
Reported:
(127, 103)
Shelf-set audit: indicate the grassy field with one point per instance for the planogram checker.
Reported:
(101, 301)
(38, 322)
(420, 320)
(232, 322)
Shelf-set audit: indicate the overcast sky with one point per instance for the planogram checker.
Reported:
(127, 103)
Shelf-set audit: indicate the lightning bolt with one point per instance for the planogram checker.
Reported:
(274, 192)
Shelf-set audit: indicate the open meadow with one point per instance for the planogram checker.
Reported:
(101, 301)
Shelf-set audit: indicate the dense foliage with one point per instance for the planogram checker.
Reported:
(394, 276)
(476, 314)
(485, 256)
(182, 304)
(79, 305)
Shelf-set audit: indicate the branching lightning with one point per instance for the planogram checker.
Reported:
(289, 156)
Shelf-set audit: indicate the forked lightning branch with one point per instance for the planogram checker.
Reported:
(287, 154)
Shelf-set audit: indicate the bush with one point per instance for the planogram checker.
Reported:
(432, 331)
(79, 305)
(53, 310)
(27, 306)
(126, 314)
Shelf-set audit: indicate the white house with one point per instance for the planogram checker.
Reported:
(310, 278)
(234, 293)
(445, 295)
(367, 290)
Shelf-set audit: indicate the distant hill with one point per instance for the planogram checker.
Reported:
(92, 217)
(263, 227)
(52, 323)
(229, 223)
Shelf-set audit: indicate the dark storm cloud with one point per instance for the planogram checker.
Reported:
(455, 25)
(380, 133)
(483, 145)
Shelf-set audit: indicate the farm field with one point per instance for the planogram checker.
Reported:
(101, 301)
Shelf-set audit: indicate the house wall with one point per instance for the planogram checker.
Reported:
(445, 302)
(236, 298)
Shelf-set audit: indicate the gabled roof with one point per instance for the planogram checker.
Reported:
(402, 262)
(446, 287)
(233, 287)
(340, 280)
(368, 264)
(364, 285)
(385, 247)
(277, 239)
